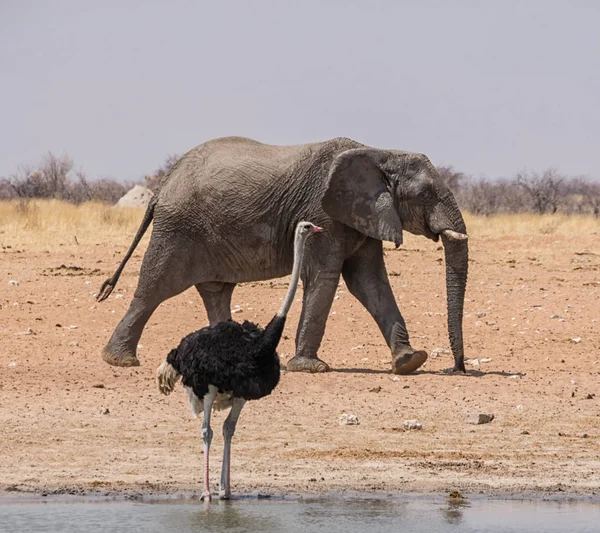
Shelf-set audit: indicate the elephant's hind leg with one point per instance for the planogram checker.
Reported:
(165, 273)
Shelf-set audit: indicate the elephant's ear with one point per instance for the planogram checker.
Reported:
(358, 195)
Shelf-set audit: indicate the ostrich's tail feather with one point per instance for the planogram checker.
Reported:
(166, 377)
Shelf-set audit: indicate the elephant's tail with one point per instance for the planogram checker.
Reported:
(110, 283)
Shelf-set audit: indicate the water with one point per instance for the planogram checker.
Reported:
(301, 516)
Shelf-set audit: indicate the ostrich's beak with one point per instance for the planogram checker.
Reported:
(318, 229)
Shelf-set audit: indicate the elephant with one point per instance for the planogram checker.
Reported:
(225, 214)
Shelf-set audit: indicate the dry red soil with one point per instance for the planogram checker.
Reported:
(71, 423)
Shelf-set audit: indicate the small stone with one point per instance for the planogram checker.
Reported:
(412, 424)
(375, 389)
(485, 360)
(98, 386)
(12, 364)
(105, 411)
(515, 376)
(472, 362)
(395, 378)
(73, 343)
(348, 420)
(358, 347)
(590, 396)
(479, 418)
(557, 316)
(237, 310)
(28, 332)
(525, 432)
(436, 352)
(481, 314)
(14, 282)
(576, 340)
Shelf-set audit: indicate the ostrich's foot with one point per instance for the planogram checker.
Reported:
(307, 364)
(206, 496)
(406, 360)
(123, 358)
(224, 494)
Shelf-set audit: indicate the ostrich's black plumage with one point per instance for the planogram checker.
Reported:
(240, 359)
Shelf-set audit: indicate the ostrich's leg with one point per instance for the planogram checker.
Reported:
(207, 434)
(228, 431)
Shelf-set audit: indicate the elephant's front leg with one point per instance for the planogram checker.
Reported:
(318, 297)
(366, 278)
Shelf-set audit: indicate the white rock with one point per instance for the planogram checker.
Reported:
(348, 420)
(237, 310)
(436, 352)
(138, 196)
(12, 364)
(515, 376)
(485, 360)
(14, 282)
(576, 340)
(481, 314)
(472, 362)
(412, 424)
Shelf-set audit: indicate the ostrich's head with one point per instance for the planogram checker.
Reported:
(305, 229)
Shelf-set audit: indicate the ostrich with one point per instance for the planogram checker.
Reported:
(226, 364)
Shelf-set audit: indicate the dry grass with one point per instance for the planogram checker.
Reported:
(50, 223)
(530, 224)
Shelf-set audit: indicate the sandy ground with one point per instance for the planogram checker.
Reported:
(72, 424)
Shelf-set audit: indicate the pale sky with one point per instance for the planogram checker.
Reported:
(490, 87)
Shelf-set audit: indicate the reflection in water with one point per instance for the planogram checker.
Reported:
(453, 512)
(227, 516)
(343, 515)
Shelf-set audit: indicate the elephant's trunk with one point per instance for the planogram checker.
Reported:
(457, 261)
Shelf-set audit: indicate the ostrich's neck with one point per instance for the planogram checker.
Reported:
(289, 297)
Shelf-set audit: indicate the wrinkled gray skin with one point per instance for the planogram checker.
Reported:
(226, 214)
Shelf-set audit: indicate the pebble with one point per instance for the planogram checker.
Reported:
(576, 340)
(14, 282)
(479, 418)
(348, 420)
(412, 424)
(105, 411)
(556, 316)
(237, 310)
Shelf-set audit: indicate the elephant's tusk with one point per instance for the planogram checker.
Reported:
(454, 235)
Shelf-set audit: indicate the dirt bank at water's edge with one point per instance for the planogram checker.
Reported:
(72, 423)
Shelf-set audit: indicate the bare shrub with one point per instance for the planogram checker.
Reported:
(545, 190)
(154, 180)
(453, 179)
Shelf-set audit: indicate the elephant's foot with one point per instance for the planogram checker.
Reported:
(121, 359)
(307, 364)
(406, 360)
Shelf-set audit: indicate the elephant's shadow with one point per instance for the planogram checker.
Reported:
(445, 372)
